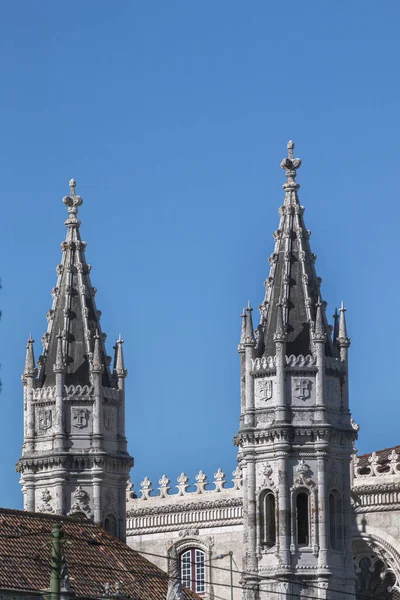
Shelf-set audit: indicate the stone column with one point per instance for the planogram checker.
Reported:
(280, 396)
(284, 510)
(97, 516)
(323, 515)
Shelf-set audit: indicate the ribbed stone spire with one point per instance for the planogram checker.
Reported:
(292, 282)
(73, 315)
(30, 368)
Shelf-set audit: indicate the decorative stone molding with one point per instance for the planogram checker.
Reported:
(375, 468)
(378, 497)
(174, 516)
(264, 363)
(78, 390)
(81, 502)
(164, 486)
(219, 480)
(188, 532)
(201, 482)
(45, 506)
(146, 488)
(44, 393)
(182, 484)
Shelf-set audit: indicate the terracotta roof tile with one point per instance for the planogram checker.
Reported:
(93, 558)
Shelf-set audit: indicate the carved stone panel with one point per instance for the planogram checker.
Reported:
(80, 418)
(45, 419)
(264, 391)
(302, 390)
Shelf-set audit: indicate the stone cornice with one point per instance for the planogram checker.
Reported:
(172, 517)
(379, 497)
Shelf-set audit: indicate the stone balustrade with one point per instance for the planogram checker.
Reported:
(376, 465)
(183, 486)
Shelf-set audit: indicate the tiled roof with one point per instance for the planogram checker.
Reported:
(92, 556)
(381, 454)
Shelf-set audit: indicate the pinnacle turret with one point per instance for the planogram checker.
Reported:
(280, 334)
(97, 364)
(343, 339)
(30, 369)
(320, 333)
(59, 365)
(249, 339)
(119, 366)
(335, 334)
(243, 331)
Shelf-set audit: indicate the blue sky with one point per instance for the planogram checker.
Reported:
(173, 118)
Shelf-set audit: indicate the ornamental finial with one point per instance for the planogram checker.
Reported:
(72, 202)
(290, 164)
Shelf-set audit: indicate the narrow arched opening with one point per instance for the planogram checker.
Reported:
(302, 519)
(268, 519)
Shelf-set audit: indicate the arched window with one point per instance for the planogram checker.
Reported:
(193, 570)
(267, 519)
(110, 524)
(302, 519)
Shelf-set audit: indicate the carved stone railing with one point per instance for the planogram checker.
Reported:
(78, 390)
(264, 363)
(377, 466)
(183, 485)
(301, 361)
(217, 507)
(44, 393)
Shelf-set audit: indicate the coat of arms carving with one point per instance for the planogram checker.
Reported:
(79, 417)
(266, 389)
(302, 388)
(45, 419)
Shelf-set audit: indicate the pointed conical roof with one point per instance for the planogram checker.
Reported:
(73, 315)
(292, 282)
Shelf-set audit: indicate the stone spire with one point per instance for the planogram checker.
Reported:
(292, 282)
(73, 315)
(59, 365)
(343, 339)
(249, 339)
(29, 369)
(119, 366)
(335, 333)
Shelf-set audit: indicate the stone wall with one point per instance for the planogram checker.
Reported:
(209, 520)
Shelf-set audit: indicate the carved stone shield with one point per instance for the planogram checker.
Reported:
(302, 389)
(45, 419)
(79, 417)
(266, 389)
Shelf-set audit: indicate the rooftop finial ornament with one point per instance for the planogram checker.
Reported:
(290, 164)
(72, 202)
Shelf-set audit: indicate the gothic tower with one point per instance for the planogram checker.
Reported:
(74, 456)
(296, 435)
